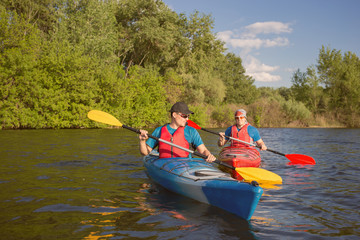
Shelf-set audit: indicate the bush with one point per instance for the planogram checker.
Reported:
(200, 116)
(296, 111)
(223, 116)
(266, 112)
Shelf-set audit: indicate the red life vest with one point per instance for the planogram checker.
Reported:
(178, 138)
(241, 135)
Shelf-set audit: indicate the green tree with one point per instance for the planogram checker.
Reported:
(133, 58)
(340, 75)
(315, 90)
(71, 80)
(39, 12)
(145, 101)
(149, 34)
(19, 49)
(91, 26)
(307, 89)
(239, 87)
(296, 111)
(199, 66)
(47, 83)
(285, 92)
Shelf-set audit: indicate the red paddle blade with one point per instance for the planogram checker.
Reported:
(300, 159)
(192, 124)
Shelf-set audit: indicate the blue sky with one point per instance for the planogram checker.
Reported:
(274, 38)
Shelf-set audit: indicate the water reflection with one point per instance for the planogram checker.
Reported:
(163, 214)
(91, 184)
(194, 216)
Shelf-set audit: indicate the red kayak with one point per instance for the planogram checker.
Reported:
(240, 157)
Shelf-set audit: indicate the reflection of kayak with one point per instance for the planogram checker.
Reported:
(240, 157)
(199, 180)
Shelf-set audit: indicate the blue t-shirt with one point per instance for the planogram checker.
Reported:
(252, 131)
(191, 135)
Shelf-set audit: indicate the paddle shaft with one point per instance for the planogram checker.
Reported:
(177, 146)
(251, 144)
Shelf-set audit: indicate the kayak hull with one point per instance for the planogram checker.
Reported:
(240, 157)
(199, 180)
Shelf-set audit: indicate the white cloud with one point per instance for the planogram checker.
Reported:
(255, 65)
(265, 77)
(225, 36)
(249, 39)
(260, 71)
(290, 70)
(267, 28)
(246, 43)
(276, 42)
(257, 43)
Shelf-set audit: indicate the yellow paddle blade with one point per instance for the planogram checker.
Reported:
(103, 117)
(258, 174)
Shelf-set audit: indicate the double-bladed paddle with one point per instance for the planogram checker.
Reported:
(294, 158)
(249, 174)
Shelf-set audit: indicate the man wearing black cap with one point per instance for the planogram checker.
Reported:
(177, 132)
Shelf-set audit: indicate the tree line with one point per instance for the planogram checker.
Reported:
(135, 58)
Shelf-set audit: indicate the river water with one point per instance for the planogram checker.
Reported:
(91, 184)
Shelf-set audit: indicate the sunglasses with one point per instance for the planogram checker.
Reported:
(184, 115)
(239, 118)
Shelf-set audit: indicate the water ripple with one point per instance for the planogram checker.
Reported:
(91, 184)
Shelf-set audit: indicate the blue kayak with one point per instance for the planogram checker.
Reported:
(199, 180)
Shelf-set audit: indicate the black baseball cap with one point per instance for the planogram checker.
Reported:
(181, 107)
